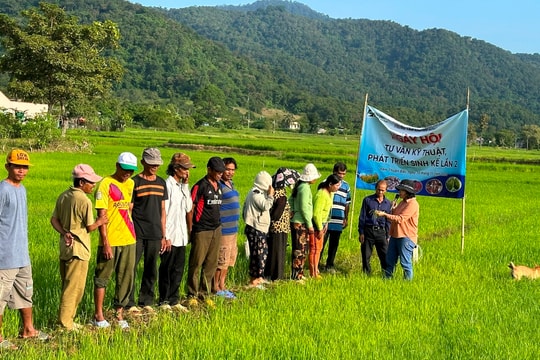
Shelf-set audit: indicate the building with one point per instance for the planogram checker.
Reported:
(28, 110)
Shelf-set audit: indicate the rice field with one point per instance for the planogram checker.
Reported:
(460, 305)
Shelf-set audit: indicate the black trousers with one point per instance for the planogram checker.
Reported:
(275, 263)
(373, 237)
(150, 249)
(332, 238)
(171, 271)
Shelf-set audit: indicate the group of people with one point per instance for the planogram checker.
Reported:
(145, 217)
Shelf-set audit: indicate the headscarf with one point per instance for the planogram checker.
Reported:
(284, 177)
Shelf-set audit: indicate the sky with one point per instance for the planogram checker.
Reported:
(510, 25)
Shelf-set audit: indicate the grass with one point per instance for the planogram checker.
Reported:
(459, 305)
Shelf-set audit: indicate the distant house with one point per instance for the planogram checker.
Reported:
(294, 125)
(29, 110)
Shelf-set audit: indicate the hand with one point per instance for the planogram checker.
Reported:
(68, 238)
(379, 213)
(165, 246)
(107, 252)
(361, 238)
(345, 223)
(270, 190)
(102, 220)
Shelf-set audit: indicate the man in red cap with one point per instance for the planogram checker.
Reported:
(73, 219)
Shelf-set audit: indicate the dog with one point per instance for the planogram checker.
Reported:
(520, 271)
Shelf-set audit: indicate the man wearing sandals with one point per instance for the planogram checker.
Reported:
(16, 285)
(116, 250)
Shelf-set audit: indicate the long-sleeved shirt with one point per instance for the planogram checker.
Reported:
(302, 206)
(322, 203)
(404, 220)
(367, 218)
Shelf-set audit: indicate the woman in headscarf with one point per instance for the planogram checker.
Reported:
(256, 215)
(301, 202)
(280, 226)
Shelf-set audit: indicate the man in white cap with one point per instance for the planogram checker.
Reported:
(149, 218)
(16, 284)
(116, 250)
(73, 219)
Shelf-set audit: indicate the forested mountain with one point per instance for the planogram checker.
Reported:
(403, 70)
(203, 61)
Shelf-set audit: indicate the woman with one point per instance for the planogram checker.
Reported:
(322, 204)
(280, 224)
(403, 230)
(256, 215)
(301, 203)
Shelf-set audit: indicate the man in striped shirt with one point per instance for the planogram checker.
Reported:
(339, 217)
(230, 214)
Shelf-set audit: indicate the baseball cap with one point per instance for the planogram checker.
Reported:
(152, 156)
(216, 163)
(83, 171)
(127, 161)
(183, 160)
(18, 157)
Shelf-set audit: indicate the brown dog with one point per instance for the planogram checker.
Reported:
(520, 271)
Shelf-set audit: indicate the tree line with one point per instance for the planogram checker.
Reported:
(207, 66)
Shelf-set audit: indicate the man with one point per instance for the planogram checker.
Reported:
(116, 250)
(177, 208)
(206, 232)
(230, 214)
(73, 219)
(339, 217)
(16, 285)
(149, 218)
(374, 231)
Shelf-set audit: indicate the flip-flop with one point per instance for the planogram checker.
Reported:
(8, 345)
(38, 335)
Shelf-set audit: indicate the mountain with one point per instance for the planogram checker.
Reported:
(427, 71)
(207, 61)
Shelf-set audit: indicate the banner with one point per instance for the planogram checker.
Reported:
(434, 156)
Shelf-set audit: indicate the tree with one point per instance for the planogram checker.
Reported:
(531, 135)
(53, 59)
(484, 124)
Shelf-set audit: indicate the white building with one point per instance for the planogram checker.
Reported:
(30, 110)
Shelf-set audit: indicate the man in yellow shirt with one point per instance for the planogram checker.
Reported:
(116, 251)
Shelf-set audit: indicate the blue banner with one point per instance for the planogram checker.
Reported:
(434, 156)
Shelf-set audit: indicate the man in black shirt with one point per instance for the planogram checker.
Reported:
(206, 230)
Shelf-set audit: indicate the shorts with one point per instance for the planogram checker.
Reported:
(228, 250)
(16, 288)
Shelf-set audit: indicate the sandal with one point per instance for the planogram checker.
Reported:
(38, 335)
(8, 345)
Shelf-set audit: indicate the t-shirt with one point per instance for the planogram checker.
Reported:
(115, 197)
(206, 205)
(342, 198)
(13, 226)
(75, 212)
(230, 209)
(147, 198)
